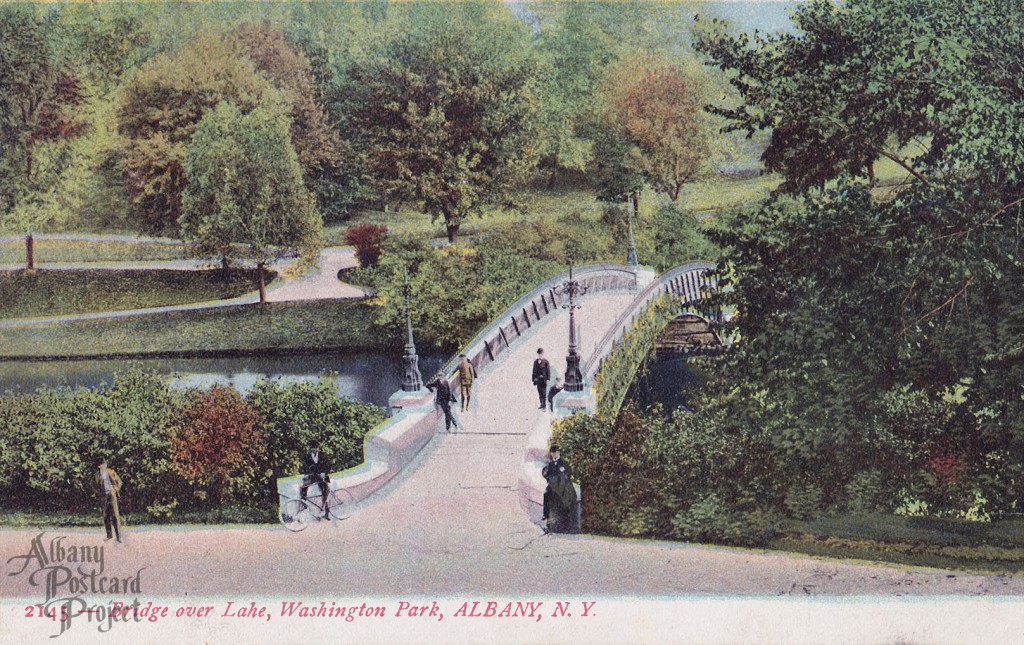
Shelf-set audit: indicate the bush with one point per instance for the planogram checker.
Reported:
(368, 240)
(218, 446)
(710, 519)
(299, 414)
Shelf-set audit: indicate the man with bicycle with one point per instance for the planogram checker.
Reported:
(315, 469)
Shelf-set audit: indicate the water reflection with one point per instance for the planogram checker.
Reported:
(366, 377)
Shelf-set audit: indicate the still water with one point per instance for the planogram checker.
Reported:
(366, 377)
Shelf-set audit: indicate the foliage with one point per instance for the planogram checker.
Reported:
(866, 80)
(245, 187)
(299, 415)
(218, 445)
(174, 450)
(367, 240)
(444, 106)
(161, 109)
(573, 52)
(657, 106)
(40, 95)
(54, 439)
(619, 368)
(316, 142)
(678, 238)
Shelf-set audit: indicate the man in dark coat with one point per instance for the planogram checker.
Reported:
(541, 376)
(315, 470)
(444, 398)
(560, 501)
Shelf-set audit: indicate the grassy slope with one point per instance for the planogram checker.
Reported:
(58, 293)
(334, 324)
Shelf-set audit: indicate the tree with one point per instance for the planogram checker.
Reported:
(315, 140)
(881, 336)
(160, 111)
(244, 187)
(574, 52)
(445, 107)
(657, 106)
(39, 95)
(218, 444)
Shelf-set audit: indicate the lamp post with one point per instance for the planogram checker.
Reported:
(573, 374)
(412, 381)
(631, 258)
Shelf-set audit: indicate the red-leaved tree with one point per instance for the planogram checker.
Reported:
(367, 240)
(218, 445)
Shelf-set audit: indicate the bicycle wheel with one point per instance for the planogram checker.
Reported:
(294, 514)
(341, 504)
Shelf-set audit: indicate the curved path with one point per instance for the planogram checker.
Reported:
(452, 524)
(317, 284)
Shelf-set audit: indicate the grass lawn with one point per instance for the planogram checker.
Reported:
(706, 196)
(58, 293)
(301, 326)
(63, 250)
(992, 547)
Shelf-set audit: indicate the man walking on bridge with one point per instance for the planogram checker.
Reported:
(541, 376)
(443, 398)
(466, 375)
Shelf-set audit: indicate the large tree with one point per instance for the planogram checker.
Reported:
(315, 139)
(656, 106)
(445, 107)
(163, 105)
(39, 95)
(881, 337)
(161, 109)
(244, 194)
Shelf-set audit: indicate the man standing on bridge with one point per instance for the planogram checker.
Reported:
(541, 376)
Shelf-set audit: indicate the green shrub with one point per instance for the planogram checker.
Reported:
(804, 501)
(299, 414)
(710, 519)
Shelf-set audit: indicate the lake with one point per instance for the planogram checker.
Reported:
(363, 376)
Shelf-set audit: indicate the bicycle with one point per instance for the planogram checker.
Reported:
(297, 513)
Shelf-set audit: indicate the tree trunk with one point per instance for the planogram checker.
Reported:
(225, 269)
(30, 253)
(263, 283)
(551, 180)
(636, 203)
(453, 231)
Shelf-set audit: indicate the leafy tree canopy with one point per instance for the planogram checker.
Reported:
(244, 185)
(445, 108)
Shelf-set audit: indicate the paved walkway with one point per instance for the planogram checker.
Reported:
(452, 524)
(318, 284)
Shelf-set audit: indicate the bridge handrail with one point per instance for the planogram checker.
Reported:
(603, 346)
(473, 347)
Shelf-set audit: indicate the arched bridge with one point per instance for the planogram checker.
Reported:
(503, 434)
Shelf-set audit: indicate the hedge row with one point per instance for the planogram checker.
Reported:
(174, 449)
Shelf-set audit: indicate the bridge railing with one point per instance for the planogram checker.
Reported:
(393, 445)
(496, 338)
(689, 285)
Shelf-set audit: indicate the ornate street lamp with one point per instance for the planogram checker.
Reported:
(573, 374)
(631, 258)
(412, 381)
